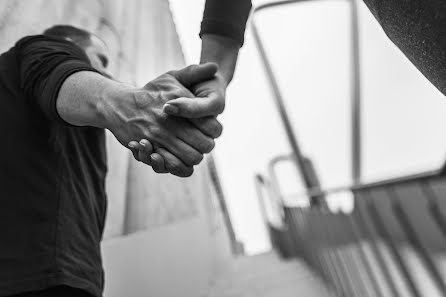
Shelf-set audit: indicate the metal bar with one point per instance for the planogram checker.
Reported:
(345, 286)
(275, 186)
(336, 230)
(411, 234)
(362, 255)
(322, 236)
(355, 93)
(282, 110)
(434, 208)
(343, 271)
(402, 180)
(362, 224)
(260, 183)
(316, 200)
(224, 209)
(326, 259)
(384, 233)
(293, 232)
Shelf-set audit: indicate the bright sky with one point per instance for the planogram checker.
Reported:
(403, 115)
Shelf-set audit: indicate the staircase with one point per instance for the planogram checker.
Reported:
(266, 275)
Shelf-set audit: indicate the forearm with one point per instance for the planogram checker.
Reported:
(221, 50)
(83, 99)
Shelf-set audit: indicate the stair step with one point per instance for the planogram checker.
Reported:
(267, 275)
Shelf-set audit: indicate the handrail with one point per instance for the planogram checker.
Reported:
(275, 186)
(315, 200)
(355, 94)
(332, 243)
(213, 172)
(426, 175)
(262, 183)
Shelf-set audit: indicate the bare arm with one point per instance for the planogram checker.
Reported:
(83, 99)
(221, 50)
(55, 76)
(88, 99)
(222, 34)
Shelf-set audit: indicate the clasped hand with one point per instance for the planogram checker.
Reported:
(174, 119)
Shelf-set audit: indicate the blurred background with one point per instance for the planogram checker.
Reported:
(403, 115)
(167, 236)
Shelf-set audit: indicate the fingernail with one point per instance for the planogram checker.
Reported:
(143, 142)
(132, 144)
(171, 109)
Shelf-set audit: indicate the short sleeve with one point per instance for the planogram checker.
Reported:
(226, 18)
(44, 63)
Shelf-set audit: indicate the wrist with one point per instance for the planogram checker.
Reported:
(108, 108)
(221, 50)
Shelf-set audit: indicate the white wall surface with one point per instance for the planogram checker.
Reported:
(403, 115)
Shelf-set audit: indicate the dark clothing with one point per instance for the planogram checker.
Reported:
(52, 198)
(61, 291)
(418, 28)
(227, 18)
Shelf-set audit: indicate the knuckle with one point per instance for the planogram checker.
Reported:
(208, 146)
(136, 157)
(157, 170)
(146, 160)
(188, 173)
(156, 132)
(194, 158)
(171, 73)
(188, 108)
(143, 158)
(216, 129)
(174, 166)
(220, 106)
(163, 119)
(184, 172)
(191, 67)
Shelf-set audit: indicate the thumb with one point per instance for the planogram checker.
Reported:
(194, 107)
(194, 74)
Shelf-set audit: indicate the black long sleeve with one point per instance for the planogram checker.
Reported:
(418, 29)
(227, 18)
(44, 63)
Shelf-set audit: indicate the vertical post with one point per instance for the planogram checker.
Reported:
(236, 246)
(278, 99)
(355, 95)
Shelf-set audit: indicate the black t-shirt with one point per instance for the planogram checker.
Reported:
(52, 175)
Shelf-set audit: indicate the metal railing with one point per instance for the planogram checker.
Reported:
(307, 177)
(370, 251)
(393, 243)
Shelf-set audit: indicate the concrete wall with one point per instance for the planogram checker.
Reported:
(164, 235)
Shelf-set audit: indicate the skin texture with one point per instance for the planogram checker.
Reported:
(90, 99)
(176, 139)
(209, 95)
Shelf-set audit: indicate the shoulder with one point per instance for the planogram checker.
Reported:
(43, 39)
(42, 44)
